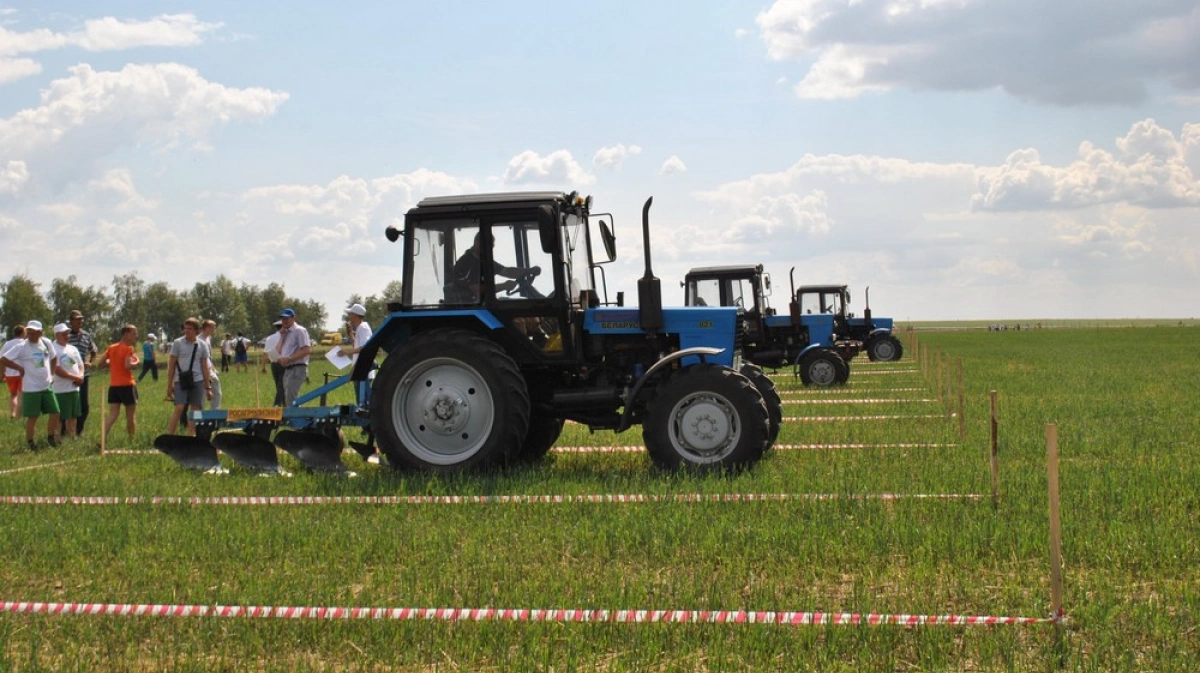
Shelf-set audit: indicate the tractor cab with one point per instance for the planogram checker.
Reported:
(867, 332)
(522, 259)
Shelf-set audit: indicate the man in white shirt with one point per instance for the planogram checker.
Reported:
(68, 376)
(34, 358)
(293, 348)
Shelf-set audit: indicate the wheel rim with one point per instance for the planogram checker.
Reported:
(823, 372)
(884, 350)
(704, 427)
(443, 411)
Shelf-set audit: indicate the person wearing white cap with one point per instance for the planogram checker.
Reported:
(68, 376)
(35, 359)
(356, 315)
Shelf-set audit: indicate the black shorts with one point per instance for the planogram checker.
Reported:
(126, 395)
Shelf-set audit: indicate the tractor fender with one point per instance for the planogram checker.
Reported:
(806, 350)
(879, 330)
(697, 351)
(399, 327)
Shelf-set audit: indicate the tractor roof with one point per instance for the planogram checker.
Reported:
(730, 270)
(821, 288)
(495, 197)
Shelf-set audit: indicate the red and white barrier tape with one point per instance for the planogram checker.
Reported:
(790, 401)
(512, 615)
(778, 447)
(45, 465)
(876, 417)
(465, 499)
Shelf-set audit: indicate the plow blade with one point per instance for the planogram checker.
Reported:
(319, 452)
(249, 451)
(192, 453)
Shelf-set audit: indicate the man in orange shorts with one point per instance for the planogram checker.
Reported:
(122, 359)
(12, 377)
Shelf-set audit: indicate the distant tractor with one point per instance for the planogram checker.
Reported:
(874, 332)
(805, 342)
(502, 335)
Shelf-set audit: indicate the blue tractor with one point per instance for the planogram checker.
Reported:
(504, 333)
(875, 333)
(804, 341)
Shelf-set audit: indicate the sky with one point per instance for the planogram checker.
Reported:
(964, 159)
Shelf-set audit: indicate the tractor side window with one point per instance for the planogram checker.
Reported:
(520, 269)
(705, 293)
(429, 275)
(810, 303)
(740, 294)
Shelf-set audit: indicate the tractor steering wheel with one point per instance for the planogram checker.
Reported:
(524, 284)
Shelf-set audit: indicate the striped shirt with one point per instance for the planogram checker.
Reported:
(82, 340)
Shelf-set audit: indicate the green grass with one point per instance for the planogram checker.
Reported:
(1128, 437)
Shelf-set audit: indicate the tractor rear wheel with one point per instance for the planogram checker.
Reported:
(884, 348)
(823, 368)
(766, 387)
(707, 417)
(449, 400)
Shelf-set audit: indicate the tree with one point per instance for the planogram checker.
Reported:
(376, 305)
(66, 295)
(222, 301)
(22, 302)
(166, 309)
(129, 301)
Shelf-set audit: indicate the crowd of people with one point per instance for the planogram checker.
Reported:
(48, 377)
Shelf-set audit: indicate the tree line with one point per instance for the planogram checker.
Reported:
(157, 307)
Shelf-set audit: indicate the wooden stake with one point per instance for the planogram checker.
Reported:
(941, 398)
(962, 417)
(1056, 580)
(995, 453)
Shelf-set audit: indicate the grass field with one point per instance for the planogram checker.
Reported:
(1128, 433)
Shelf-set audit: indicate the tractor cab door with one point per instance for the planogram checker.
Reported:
(529, 287)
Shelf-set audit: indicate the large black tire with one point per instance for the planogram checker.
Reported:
(843, 370)
(707, 417)
(884, 348)
(543, 433)
(449, 400)
(766, 387)
(823, 368)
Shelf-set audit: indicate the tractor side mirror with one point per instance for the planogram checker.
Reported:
(548, 228)
(609, 240)
(393, 234)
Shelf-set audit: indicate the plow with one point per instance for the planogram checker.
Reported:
(253, 437)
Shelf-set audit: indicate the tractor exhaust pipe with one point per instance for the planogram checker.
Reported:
(794, 304)
(649, 289)
(867, 310)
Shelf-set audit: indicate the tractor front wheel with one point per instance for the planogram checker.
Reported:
(449, 400)
(708, 417)
(884, 348)
(823, 368)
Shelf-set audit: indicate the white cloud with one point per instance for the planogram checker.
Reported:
(783, 218)
(88, 115)
(612, 157)
(672, 165)
(167, 30)
(104, 34)
(1151, 169)
(851, 47)
(116, 186)
(13, 69)
(13, 176)
(558, 168)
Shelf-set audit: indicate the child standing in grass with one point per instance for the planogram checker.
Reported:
(122, 389)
